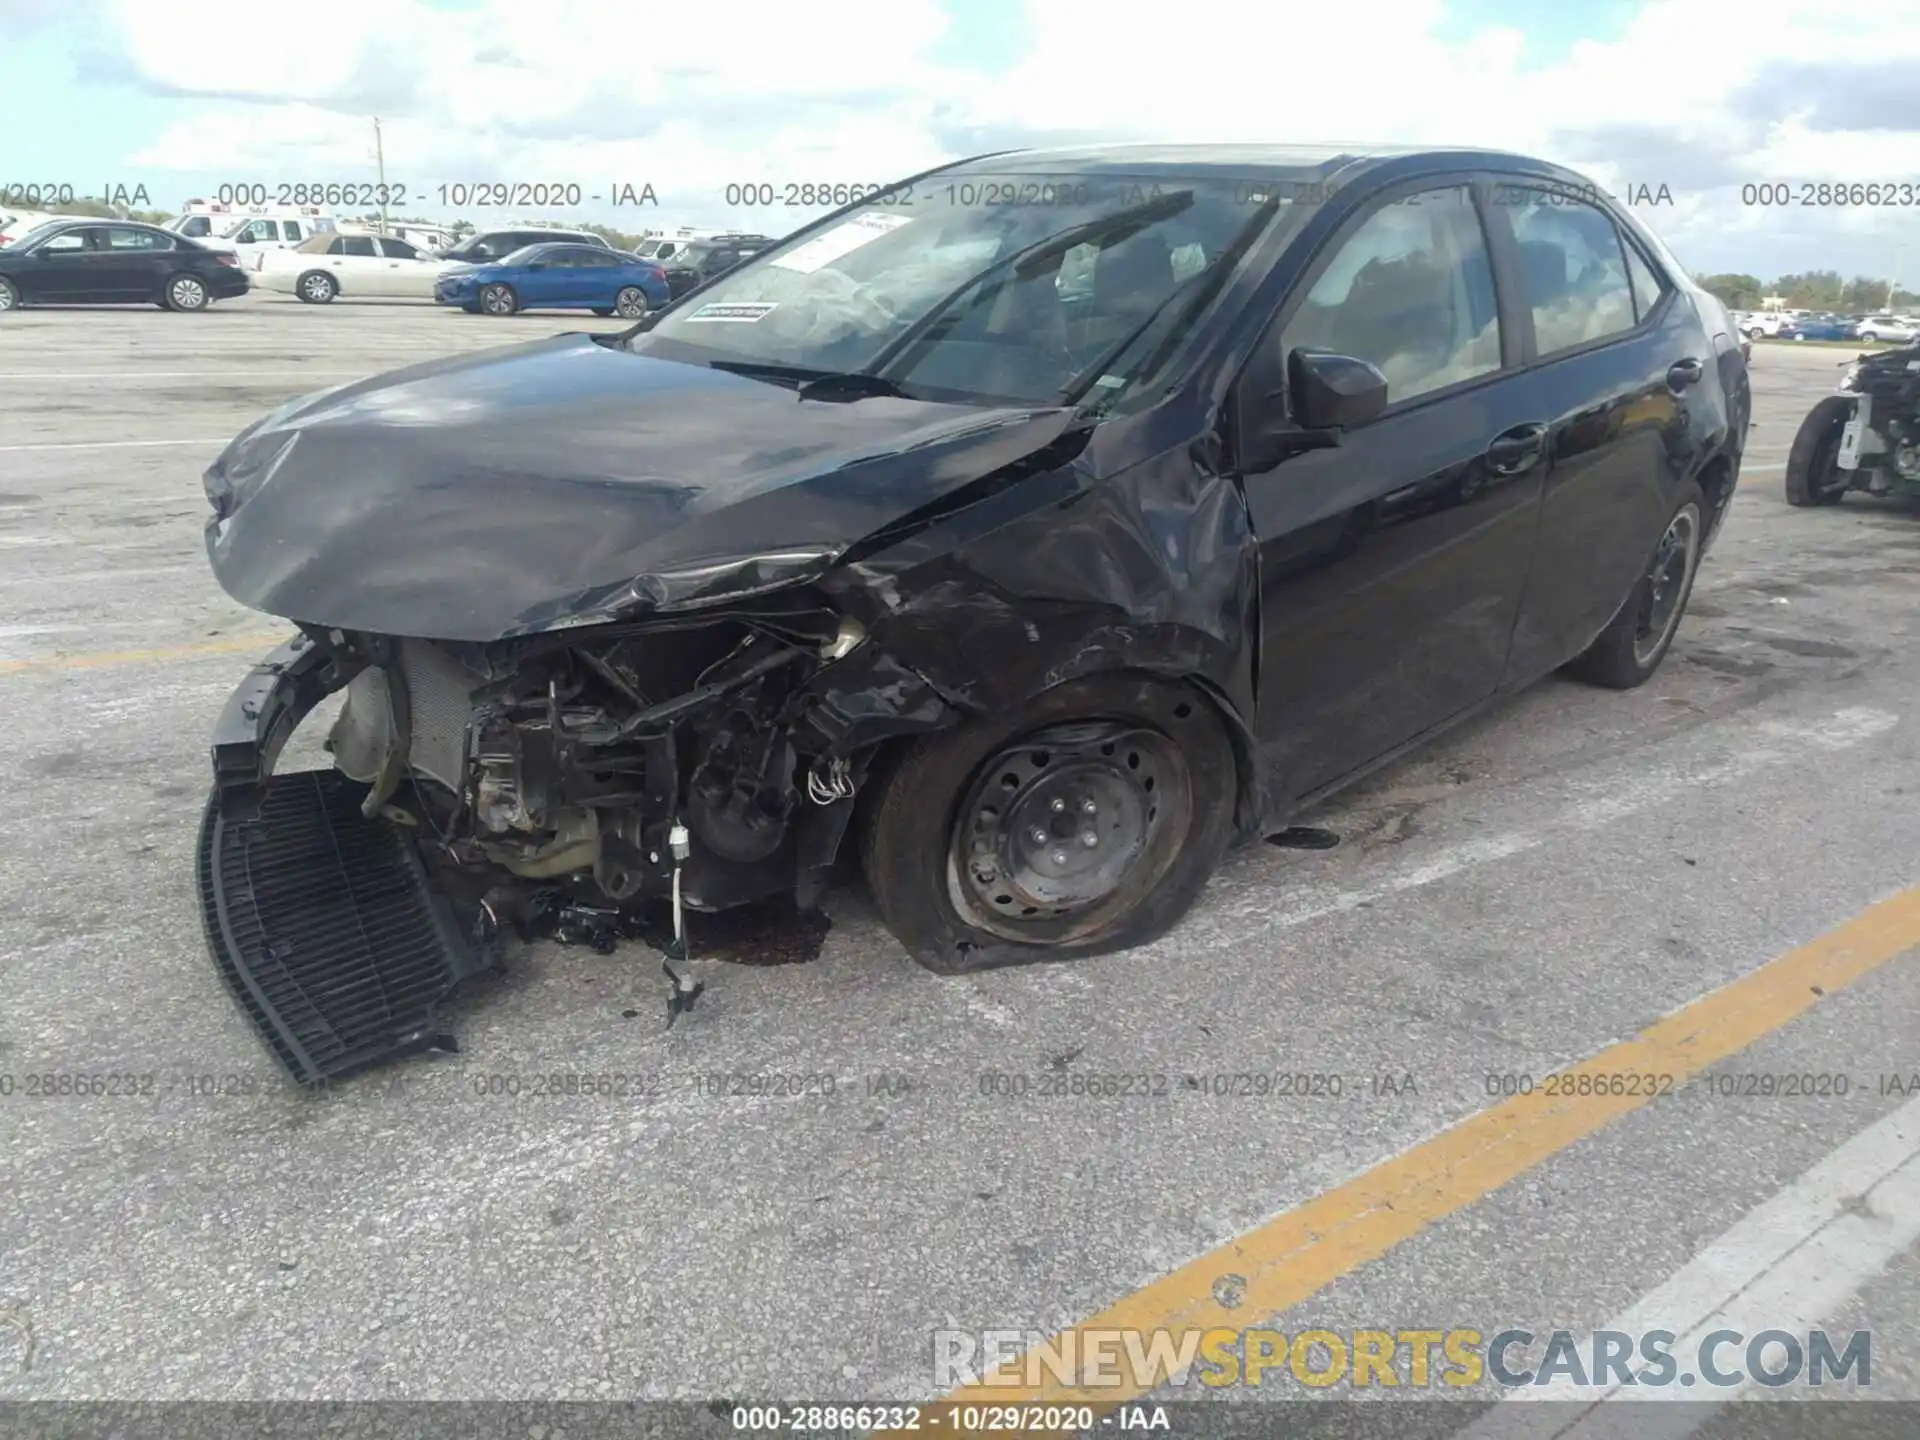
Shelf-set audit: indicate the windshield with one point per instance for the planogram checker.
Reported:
(972, 289)
(28, 237)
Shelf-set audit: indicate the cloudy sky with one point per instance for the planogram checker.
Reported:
(1701, 98)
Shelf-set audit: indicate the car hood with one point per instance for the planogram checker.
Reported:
(566, 482)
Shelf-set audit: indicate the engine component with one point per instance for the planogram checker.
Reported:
(574, 846)
(742, 792)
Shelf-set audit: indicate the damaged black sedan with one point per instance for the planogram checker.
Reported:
(1031, 532)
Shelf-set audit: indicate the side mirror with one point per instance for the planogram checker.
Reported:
(1332, 392)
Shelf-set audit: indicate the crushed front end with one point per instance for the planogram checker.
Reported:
(1880, 447)
(706, 760)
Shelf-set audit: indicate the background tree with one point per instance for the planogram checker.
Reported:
(1736, 292)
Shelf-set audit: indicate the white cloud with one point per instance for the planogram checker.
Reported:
(606, 90)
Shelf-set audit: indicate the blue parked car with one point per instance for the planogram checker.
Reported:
(1827, 327)
(556, 277)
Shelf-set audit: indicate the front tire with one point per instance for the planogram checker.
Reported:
(1636, 640)
(499, 300)
(1085, 822)
(186, 293)
(316, 287)
(1814, 476)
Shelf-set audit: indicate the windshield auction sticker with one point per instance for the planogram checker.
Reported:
(738, 312)
(842, 239)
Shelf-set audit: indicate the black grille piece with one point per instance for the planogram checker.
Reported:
(326, 931)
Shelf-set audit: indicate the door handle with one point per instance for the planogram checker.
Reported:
(1683, 373)
(1517, 449)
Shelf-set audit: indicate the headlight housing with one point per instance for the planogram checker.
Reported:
(1850, 377)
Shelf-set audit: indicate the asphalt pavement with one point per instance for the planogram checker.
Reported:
(839, 1164)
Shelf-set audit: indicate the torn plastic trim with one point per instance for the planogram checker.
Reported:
(263, 712)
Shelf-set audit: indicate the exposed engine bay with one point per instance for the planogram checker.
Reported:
(567, 778)
(1865, 437)
(574, 760)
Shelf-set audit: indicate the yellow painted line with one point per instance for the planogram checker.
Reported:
(1297, 1254)
(96, 659)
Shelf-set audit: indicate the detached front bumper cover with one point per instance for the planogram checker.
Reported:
(323, 924)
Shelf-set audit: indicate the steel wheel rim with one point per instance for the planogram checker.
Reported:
(631, 302)
(1664, 586)
(188, 292)
(1065, 829)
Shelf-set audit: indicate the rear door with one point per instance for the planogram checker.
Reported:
(600, 276)
(1392, 564)
(139, 261)
(1611, 368)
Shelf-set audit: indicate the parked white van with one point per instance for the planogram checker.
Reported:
(243, 229)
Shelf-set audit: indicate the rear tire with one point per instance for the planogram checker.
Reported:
(9, 296)
(631, 303)
(186, 293)
(1141, 765)
(316, 287)
(1813, 472)
(499, 299)
(1628, 652)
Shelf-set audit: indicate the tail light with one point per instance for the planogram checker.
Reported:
(225, 259)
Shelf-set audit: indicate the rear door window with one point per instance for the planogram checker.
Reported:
(356, 245)
(1574, 267)
(127, 239)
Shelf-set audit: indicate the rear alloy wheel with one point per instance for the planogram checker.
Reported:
(9, 297)
(499, 299)
(316, 287)
(631, 302)
(1086, 823)
(1637, 639)
(1814, 476)
(186, 292)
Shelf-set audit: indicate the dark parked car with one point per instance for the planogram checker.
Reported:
(498, 244)
(555, 277)
(115, 262)
(878, 545)
(701, 260)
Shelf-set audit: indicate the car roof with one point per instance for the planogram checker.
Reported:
(1241, 161)
(67, 222)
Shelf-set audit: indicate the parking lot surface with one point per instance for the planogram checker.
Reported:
(901, 1153)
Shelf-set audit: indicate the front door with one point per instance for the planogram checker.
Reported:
(1392, 564)
(63, 269)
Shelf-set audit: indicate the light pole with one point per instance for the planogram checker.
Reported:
(380, 161)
